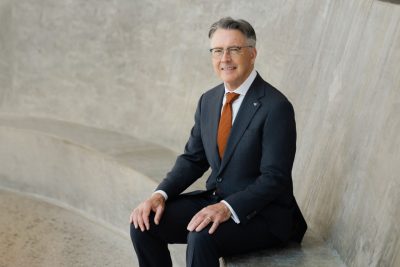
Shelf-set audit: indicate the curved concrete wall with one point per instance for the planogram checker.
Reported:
(69, 173)
(139, 66)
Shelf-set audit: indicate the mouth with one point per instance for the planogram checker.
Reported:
(228, 68)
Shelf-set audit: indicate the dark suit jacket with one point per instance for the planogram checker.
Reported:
(254, 176)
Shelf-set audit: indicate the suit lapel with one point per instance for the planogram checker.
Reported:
(215, 114)
(249, 107)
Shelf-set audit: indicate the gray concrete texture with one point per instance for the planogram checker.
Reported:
(92, 172)
(78, 168)
(37, 234)
(138, 67)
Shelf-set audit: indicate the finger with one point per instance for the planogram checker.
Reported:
(194, 222)
(134, 219)
(145, 217)
(203, 224)
(146, 222)
(140, 222)
(214, 227)
(159, 212)
(131, 218)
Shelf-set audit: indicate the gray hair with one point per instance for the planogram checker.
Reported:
(241, 25)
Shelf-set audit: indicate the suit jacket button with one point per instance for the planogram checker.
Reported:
(219, 179)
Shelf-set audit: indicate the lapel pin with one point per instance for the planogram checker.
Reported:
(255, 103)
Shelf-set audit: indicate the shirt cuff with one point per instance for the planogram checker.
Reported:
(234, 216)
(162, 193)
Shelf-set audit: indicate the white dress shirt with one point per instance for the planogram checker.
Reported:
(241, 90)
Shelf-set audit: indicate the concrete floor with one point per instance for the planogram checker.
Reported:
(36, 233)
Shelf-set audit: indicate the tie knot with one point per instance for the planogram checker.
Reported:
(230, 97)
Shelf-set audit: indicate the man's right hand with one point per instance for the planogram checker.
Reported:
(140, 215)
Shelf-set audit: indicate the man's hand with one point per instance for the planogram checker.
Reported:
(215, 214)
(140, 215)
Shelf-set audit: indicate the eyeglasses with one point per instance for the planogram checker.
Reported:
(233, 51)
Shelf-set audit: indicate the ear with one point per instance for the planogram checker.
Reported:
(253, 55)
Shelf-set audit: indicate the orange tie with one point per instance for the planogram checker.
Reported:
(225, 123)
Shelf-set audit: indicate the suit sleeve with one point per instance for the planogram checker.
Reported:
(278, 150)
(189, 166)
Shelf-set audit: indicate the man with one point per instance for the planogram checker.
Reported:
(245, 131)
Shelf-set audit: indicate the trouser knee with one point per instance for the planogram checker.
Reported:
(200, 239)
(136, 234)
(201, 250)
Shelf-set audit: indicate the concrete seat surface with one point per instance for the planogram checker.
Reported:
(150, 159)
(131, 151)
(313, 252)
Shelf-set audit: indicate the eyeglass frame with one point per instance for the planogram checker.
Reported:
(229, 50)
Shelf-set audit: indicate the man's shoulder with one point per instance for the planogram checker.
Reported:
(213, 94)
(215, 91)
(270, 93)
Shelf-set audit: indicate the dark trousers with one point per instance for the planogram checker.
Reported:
(203, 249)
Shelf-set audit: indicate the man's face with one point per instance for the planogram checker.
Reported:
(232, 68)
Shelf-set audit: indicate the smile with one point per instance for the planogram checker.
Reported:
(228, 68)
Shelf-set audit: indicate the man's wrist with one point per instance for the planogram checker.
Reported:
(162, 193)
(233, 214)
(227, 210)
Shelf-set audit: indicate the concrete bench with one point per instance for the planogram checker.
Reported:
(313, 252)
(103, 174)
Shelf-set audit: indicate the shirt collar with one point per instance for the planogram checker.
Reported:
(245, 86)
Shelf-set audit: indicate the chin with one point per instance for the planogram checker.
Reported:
(228, 79)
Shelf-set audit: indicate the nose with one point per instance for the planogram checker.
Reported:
(226, 56)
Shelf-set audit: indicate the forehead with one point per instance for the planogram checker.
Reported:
(224, 38)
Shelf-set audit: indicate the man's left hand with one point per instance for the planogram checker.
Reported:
(215, 214)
